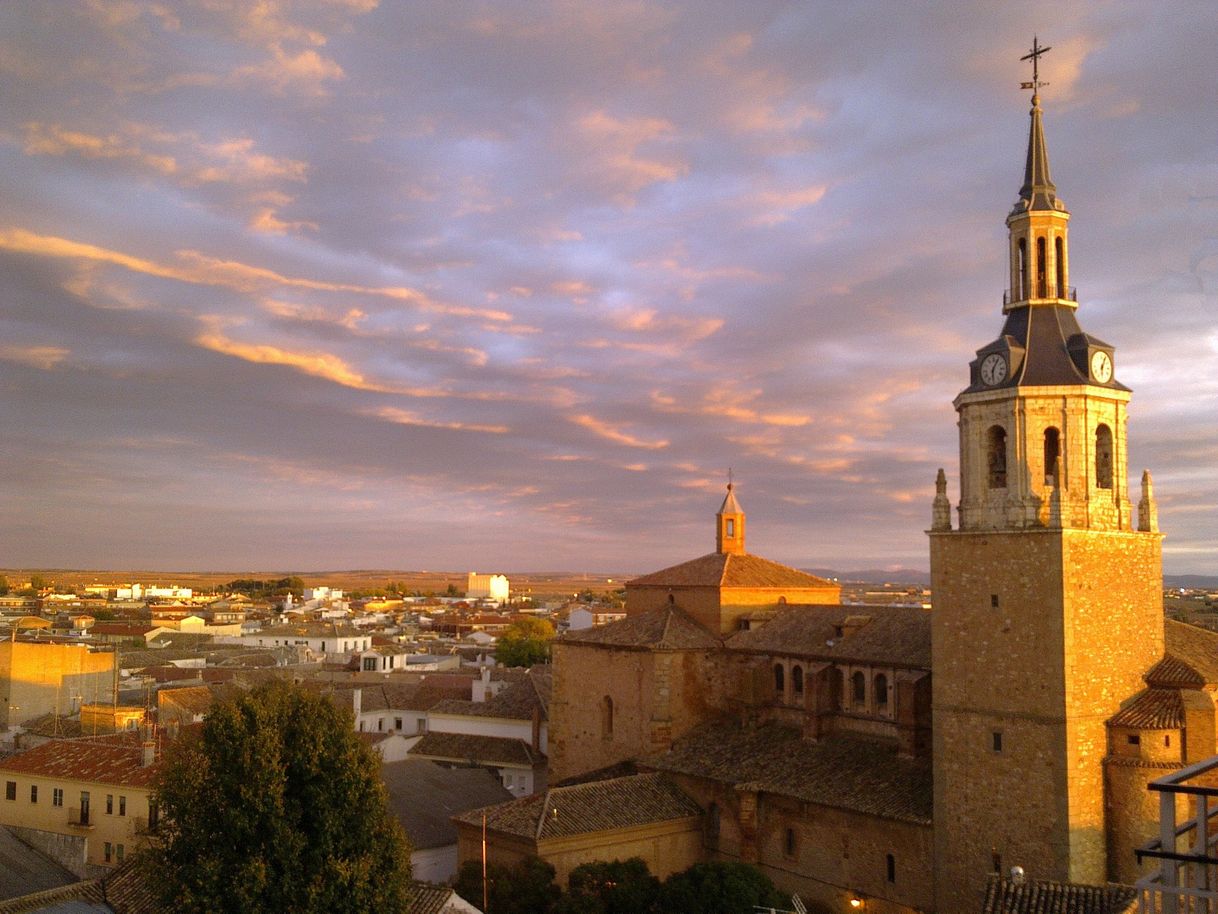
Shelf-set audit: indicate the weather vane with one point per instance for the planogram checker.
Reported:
(1034, 56)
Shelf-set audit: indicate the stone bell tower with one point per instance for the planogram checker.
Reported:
(1048, 594)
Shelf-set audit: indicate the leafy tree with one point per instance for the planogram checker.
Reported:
(719, 888)
(526, 888)
(620, 887)
(3, 584)
(276, 806)
(37, 582)
(451, 591)
(525, 642)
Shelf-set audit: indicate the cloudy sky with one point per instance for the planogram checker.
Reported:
(509, 286)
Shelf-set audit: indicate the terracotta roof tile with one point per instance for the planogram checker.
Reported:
(718, 569)
(517, 701)
(843, 771)
(897, 635)
(101, 760)
(1153, 709)
(642, 799)
(425, 796)
(429, 899)
(1033, 897)
(485, 750)
(1190, 649)
(665, 628)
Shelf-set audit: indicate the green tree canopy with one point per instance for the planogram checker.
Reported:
(525, 642)
(526, 888)
(719, 888)
(276, 806)
(618, 887)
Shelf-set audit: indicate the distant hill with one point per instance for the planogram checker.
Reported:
(875, 575)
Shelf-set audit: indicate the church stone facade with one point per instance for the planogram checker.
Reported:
(900, 756)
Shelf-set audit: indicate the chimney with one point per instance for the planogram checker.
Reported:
(149, 756)
(357, 701)
(536, 729)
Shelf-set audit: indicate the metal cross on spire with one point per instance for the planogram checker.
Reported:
(729, 478)
(1034, 56)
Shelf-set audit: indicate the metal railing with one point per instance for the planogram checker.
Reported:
(1040, 290)
(80, 818)
(1186, 881)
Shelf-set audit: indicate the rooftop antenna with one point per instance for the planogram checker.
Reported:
(1034, 55)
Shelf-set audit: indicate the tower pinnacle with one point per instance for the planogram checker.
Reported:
(1038, 191)
(729, 524)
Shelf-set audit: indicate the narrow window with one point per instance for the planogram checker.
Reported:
(122, 806)
(109, 851)
(996, 446)
(84, 807)
(779, 679)
(56, 796)
(33, 793)
(1052, 452)
(153, 813)
(1167, 741)
(788, 844)
(380, 723)
(881, 692)
(397, 723)
(712, 821)
(606, 718)
(892, 868)
(797, 680)
(1103, 457)
(109, 804)
(1022, 291)
(858, 683)
(1041, 291)
(731, 527)
(993, 601)
(1061, 267)
(1134, 739)
(119, 851)
(10, 790)
(997, 736)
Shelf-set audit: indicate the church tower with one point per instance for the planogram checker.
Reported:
(729, 525)
(1048, 593)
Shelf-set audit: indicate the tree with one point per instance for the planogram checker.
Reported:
(37, 583)
(526, 888)
(619, 887)
(3, 584)
(525, 642)
(719, 888)
(276, 806)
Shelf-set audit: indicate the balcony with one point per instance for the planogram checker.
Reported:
(1187, 879)
(80, 818)
(1038, 292)
(143, 826)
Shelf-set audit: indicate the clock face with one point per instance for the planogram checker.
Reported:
(1101, 367)
(993, 369)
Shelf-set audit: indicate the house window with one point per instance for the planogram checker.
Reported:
(84, 807)
(1041, 291)
(1103, 457)
(1052, 452)
(109, 852)
(731, 527)
(780, 683)
(881, 692)
(33, 793)
(996, 450)
(10, 790)
(996, 740)
(380, 723)
(119, 852)
(1134, 739)
(891, 862)
(606, 718)
(858, 688)
(56, 796)
(122, 806)
(397, 723)
(109, 804)
(993, 601)
(788, 843)
(797, 679)
(369, 664)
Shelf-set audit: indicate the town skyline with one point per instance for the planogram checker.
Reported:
(344, 285)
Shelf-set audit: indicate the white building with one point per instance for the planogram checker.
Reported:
(487, 587)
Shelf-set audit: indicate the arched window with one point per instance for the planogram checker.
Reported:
(1022, 290)
(607, 718)
(1061, 267)
(672, 601)
(996, 449)
(1103, 457)
(858, 688)
(1041, 292)
(797, 679)
(1053, 449)
(788, 843)
(881, 692)
(779, 679)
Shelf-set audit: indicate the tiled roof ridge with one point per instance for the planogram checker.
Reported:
(545, 805)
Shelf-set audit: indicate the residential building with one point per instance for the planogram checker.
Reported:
(40, 676)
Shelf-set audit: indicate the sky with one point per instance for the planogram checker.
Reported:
(510, 286)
